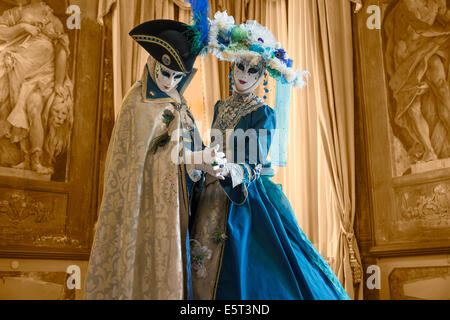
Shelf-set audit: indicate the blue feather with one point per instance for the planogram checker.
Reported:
(199, 31)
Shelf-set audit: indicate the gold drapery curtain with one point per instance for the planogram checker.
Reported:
(319, 177)
(323, 133)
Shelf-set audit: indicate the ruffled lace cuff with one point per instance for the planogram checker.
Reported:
(236, 173)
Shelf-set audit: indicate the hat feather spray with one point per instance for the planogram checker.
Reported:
(198, 33)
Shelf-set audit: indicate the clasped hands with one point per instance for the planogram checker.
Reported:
(211, 161)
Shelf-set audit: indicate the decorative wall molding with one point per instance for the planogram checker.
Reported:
(402, 277)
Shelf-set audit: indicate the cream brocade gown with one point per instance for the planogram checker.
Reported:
(141, 245)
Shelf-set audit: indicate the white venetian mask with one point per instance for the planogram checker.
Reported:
(167, 79)
(246, 76)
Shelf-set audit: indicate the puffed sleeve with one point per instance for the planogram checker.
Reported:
(244, 173)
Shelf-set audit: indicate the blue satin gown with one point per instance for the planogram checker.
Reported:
(266, 255)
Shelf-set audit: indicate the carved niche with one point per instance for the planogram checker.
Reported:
(51, 100)
(416, 58)
(37, 93)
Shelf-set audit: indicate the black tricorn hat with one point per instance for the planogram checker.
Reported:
(167, 42)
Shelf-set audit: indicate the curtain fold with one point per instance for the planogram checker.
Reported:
(323, 42)
(299, 177)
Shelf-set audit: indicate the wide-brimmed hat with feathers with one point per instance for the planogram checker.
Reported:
(252, 42)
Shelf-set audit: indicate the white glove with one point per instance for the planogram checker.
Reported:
(211, 161)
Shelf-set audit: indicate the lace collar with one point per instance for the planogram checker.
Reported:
(231, 110)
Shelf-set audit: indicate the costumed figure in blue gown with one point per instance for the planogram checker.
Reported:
(245, 241)
(141, 244)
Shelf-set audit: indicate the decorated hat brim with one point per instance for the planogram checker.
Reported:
(163, 48)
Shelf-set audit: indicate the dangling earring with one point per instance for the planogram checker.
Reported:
(266, 82)
(231, 80)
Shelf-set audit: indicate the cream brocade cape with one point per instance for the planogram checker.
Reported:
(139, 249)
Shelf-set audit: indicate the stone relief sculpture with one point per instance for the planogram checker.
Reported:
(36, 93)
(20, 207)
(432, 208)
(417, 52)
